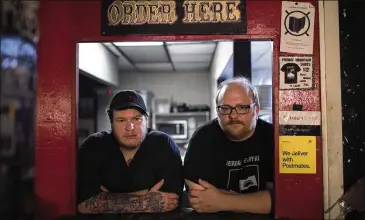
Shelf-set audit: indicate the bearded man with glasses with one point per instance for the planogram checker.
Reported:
(130, 168)
(229, 163)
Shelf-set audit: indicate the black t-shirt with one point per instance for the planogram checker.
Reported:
(242, 167)
(101, 163)
(291, 73)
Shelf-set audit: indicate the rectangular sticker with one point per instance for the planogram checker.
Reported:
(297, 27)
(296, 72)
(297, 154)
(299, 118)
(300, 130)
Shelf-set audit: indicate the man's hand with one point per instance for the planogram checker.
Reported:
(208, 200)
(139, 193)
(193, 185)
(228, 192)
(157, 201)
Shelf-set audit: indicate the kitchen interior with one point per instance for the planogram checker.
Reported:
(177, 79)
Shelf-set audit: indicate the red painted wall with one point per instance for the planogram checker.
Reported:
(62, 25)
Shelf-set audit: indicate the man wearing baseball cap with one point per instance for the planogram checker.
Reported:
(130, 168)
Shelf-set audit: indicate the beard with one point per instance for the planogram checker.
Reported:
(237, 130)
(131, 143)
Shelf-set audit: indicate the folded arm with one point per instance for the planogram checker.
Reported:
(258, 202)
(106, 202)
(206, 198)
(154, 201)
(193, 186)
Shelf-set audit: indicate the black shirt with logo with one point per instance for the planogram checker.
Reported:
(291, 73)
(242, 167)
(101, 163)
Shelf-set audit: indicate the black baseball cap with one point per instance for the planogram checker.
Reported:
(127, 99)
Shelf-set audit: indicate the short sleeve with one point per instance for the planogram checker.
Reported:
(88, 170)
(283, 68)
(297, 68)
(199, 159)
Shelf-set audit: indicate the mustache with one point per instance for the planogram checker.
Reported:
(235, 121)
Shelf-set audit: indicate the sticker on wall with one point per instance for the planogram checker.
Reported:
(300, 123)
(299, 117)
(300, 130)
(297, 27)
(297, 154)
(296, 72)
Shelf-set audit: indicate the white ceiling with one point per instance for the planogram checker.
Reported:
(176, 56)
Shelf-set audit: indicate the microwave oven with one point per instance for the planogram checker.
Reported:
(177, 129)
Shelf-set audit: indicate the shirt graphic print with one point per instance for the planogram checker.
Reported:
(245, 178)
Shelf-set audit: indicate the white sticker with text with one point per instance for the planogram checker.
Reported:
(296, 72)
(297, 27)
(299, 117)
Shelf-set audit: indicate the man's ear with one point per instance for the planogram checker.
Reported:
(146, 117)
(257, 109)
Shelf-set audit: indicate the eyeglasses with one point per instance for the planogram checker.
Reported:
(240, 109)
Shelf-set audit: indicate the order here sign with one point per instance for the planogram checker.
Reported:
(171, 17)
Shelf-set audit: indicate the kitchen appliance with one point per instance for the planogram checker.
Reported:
(177, 129)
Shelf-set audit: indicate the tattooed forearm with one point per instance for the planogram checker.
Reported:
(106, 202)
(114, 202)
(154, 202)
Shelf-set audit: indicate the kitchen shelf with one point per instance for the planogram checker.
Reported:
(182, 114)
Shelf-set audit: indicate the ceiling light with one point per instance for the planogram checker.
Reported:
(138, 43)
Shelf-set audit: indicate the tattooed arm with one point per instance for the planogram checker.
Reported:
(106, 202)
(153, 202)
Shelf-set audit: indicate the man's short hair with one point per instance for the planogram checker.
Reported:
(244, 82)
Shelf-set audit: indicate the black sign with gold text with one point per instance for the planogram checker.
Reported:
(166, 17)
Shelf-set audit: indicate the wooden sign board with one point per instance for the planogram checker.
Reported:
(177, 17)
